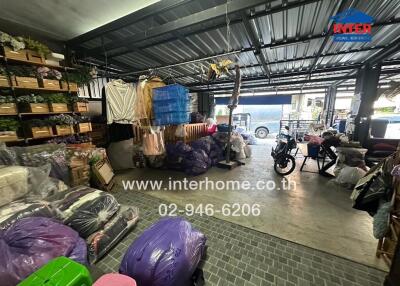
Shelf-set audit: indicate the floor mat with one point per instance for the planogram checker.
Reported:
(237, 255)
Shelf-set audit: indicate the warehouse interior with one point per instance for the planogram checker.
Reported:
(187, 142)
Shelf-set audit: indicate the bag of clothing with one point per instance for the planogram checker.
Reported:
(349, 176)
(18, 210)
(102, 241)
(13, 183)
(85, 209)
(373, 188)
(30, 243)
(121, 154)
(153, 143)
(176, 153)
(202, 144)
(166, 254)
(39, 155)
(196, 163)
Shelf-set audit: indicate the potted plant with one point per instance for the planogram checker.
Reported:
(64, 124)
(14, 47)
(33, 104)
(37, 51)
(8, 129)
(79, 77)
(84, 124)
(79, 104)
(7, 105)
(49, 78)
(38, 128)
(23, 76)
(58, 102)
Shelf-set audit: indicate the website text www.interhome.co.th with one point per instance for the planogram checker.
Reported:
(205, 184)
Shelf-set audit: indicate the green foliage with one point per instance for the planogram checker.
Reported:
(22, 70)
(3, 71)
(37, 46)
(6, 99)
(31, 99)
(388, 109)
(7, 124)
(81, 76)
(56, 98)
(74, 99)
(82, 119)
(62, 119)
(38, 123)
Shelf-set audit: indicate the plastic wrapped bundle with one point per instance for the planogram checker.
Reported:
(102, 241)
(32, 242)
(176, 154)
(85, 209)
(15, 211)
(202, 144)
(196, 163)
(7, 155)
(53, 154)
(166, 254)
(13, 183)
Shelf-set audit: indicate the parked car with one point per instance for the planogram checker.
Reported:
(390, 128)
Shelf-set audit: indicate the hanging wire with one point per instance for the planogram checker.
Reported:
(228, 28)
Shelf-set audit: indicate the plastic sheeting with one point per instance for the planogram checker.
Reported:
(15, 211)
(13, 183)
(85, 209)
(166, 254)
(32, 242)
(100, 242)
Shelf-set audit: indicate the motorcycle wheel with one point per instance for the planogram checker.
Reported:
(284, 164)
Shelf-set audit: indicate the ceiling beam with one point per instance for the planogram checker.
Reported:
(234, 6)
(303, 58)
(348, 87)
(282, 83)
(255, 43)
(257, 15)
(127, 20)
(387, 52)
(232, 22)
(277, 75)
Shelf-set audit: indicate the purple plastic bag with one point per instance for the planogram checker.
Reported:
(32, 242)
(166, 254)
(202, 145)
(196, 163)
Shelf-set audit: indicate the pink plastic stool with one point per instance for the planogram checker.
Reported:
(113, 279)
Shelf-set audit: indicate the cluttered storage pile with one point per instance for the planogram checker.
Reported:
(162, 136)
(44, 218)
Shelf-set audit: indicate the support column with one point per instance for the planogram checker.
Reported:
(329, 106)
(366, 89)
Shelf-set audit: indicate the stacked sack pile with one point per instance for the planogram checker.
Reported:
(196, 158)
(171, 105)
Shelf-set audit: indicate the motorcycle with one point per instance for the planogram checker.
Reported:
(284, 162)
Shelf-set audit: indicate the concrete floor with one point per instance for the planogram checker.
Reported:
(314, 212)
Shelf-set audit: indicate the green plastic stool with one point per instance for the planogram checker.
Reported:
(60, 271)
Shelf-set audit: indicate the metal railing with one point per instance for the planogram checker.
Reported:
(297, 127)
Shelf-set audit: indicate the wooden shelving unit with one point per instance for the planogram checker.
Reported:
(14, 89)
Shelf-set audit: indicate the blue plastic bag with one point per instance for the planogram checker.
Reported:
(166, 254)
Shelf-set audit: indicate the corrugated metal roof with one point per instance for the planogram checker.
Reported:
(277, 31)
